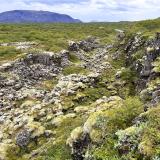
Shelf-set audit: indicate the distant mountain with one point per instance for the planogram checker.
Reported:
(28, 16)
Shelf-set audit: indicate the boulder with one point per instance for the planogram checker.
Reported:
(120, 34)
(73, 46)
(23, 138)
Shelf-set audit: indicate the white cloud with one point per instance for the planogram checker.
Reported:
(88, 10)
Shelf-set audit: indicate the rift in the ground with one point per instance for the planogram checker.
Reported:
(80, 91)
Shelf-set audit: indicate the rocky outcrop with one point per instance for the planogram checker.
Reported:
(120, 34)
(145, 66)
(23, 102)
(69, 85)
(24, 73)
(87, 45)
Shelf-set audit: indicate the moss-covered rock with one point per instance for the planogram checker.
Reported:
(128, 139)
(75, 136)
(3, 150)
(81, 109)
(58, 120)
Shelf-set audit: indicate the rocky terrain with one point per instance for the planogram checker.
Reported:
(93, 101)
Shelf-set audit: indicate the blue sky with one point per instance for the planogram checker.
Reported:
(91, 10)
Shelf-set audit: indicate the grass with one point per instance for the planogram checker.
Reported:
(113, 120)
(8, 53)
(48, 84)
(59, 150)
(146, 141)
(74, 70)
(73, 58)
(54, 37)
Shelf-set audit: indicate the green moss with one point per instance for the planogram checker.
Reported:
(138, 55)
(156, 65)
(59, 149)
(91, 94)
(153, 84)
(26, 100)
(141, 141)
(149, 145)
(106, 151)
(73, 58)
(128, 139)
(107, 76)
(48, 84)
(109, 121)
(74, 70)
(96, 93)
(120, 62)
(130, 77)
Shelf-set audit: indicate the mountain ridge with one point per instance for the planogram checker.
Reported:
(32, 16)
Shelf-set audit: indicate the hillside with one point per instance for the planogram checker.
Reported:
(28, 16)
(80, 91)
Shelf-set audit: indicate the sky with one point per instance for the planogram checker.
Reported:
(91, 10)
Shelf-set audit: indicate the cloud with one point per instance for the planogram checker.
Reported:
(53, 2)
(88, 10)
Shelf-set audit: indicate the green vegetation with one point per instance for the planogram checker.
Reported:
(48, 84)
(54, 37)
(114, 119)
(138, 55)
(110, 111)
(73, 58)
(142, 141)
(59, 150)
(74, 70)
(8, 53)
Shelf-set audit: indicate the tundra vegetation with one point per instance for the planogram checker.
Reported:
(80, 91)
